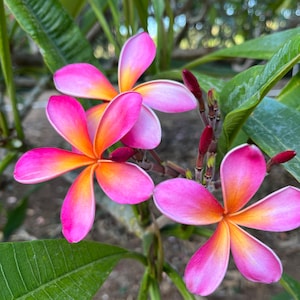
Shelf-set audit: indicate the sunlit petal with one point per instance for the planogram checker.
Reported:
(146, 132)
(42, 164)
(118, 118)
(68, 118)
(83, 80)
(242, 172)
(93, 115)
(208, 265)
(124, 183)
(136, 56)
(78, 210)
(255, 261)
(280, 211)
(167, 96)
(187, 202)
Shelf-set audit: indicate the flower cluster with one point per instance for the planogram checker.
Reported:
(125, 117)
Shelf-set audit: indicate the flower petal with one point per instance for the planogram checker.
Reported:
(207, 267)
(42, 164)
(83, 80)
(93, 115)
(277, 212)
(255, 260)
(167, 96)
(118, 118)
(68, 118)
(242, 172)
(146, 132)
(136, 56)
(78, 210)
(187, 202)
(124, 183)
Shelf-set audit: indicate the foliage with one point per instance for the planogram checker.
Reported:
(211, 40)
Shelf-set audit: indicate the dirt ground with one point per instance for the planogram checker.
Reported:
(180, 139)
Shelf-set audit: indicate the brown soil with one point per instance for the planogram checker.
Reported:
(180, 138)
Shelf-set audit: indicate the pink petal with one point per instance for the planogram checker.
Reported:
(136, 56)
(118, 118)
(78, 210)
(124, 183)
(42, 164)
(187, 202)
(208, 265)
(146, 132)
(242, 172)
(93, 115)
(255, 261)
(277, 212)
(167, 96)
(68, 118)
(83, 80)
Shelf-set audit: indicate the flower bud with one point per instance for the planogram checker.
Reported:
(192, 84)
(205, 139)
(283, 157)
(122, 154)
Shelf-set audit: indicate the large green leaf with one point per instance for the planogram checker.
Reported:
(55, 269)
(260, 48)
(50, 26)
(290, 93)
(244, 92)
(275, 127)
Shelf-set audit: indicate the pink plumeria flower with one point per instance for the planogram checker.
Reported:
(123, 182)
(242, 172)
(86, 81)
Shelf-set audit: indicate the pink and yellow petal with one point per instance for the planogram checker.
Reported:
(85, 81)
(255, 260)
(78, 210)
(68, 118)
(187, 202)
(167, 96)
(118, 118)
(207, 267)
(242, 172)
(93, 115)
(277, 212)
(124, 183)
(42, 164)
(136, 56)
(146, 132)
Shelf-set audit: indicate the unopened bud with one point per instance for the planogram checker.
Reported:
(205, 139)
(211, 97)
(122, 154)
(283, 157)
(192, 84)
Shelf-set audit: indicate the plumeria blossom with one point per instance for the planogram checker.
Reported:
(122, 181)
(86, 81)
(242, 172)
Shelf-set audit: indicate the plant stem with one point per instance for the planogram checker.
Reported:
(7, 71)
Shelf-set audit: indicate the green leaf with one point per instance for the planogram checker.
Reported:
(291, 286)
(50, 26)
(260, 48)
(55, 269)
(244, 92)
(73, 7)
(289, 95)
(275, 127)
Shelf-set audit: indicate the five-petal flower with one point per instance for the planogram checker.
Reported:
(123, 182)
(86, 81)
(242, 172)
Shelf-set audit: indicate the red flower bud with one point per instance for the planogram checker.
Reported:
(283, 157)
(205, 139)
(122, 154)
